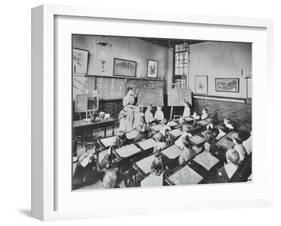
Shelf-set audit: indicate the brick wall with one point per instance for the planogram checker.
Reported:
(113, 107)
(239, 112)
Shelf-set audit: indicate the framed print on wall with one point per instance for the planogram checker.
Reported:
(52, 128)
(227, 85)
(201, 84)
(127, 68)
(152, 68)
(80, 59)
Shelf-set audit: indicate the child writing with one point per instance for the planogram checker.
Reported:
(160, 142)
(204, 114)
(186, 132)
(221, 130)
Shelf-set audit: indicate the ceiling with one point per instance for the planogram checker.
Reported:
(170, 42)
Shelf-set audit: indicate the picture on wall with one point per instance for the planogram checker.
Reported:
(201, 84)
(152, 68)
(227, 85)
(123, 67)
(80, 59)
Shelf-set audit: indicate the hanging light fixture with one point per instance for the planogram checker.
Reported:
(103, 47)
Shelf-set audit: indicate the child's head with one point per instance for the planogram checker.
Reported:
(110, 179)
(130, 91)
(204, 111)
(165, 121)
(149, 108)
(157, 165)
(221, 128)
(121, 134)
(209, 137)
(159, 108)
(232, 156)
(236, 139)
(158, 137)
(186, 128)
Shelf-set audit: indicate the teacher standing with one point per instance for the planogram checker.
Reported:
(129, 102)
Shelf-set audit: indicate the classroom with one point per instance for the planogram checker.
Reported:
(150, 112)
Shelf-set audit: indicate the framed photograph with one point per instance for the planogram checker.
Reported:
(127, 68)
(80, 59)
(227, 85)
(201, 84)
(94, 167)
(152, 68)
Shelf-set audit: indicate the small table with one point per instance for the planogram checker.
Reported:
(206, 160)
(108, 141)
(127, 151)
(197, 139)
(82, 126)
(172, 152)
(147, 144)
(175, 133)
(144, 166)
(225, 143)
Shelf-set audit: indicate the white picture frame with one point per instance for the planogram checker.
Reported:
(51, 128)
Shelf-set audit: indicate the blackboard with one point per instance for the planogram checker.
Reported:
(149, 91)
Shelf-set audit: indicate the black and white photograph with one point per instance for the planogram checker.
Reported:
(152, 112)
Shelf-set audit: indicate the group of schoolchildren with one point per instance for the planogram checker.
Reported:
(213, 132)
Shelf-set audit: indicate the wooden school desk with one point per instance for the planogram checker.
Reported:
(176, 133)
(83, 126)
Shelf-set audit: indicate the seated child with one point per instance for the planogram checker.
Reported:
(199, 147)
(228, 124)
(164, 127)
(195, 116)
(148, 115)
(122, 120)
(138, 117)
(141, 132)
(160, 142)
(159, 115)
(221, 130)
(238, 146)
(227, 171)
(247, 144)
(110, 178)
(156, 176)
(186, 153)
(187, 110)
(186, 133)
(204, 114)
(121, 138)
(210, 142)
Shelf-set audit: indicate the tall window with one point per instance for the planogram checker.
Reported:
(181, 63)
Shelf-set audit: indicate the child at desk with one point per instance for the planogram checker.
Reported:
(159, 115)
(141, 132)
(156, 176)
(164, 127)
(221, 130)
(160, 142)
(195, 116)
(210, 141)
(180, 142)
(186, 153)
(228, 124)
(227, 171)
(121, 138)
(239, 147)
(148, 115)
(204, 114)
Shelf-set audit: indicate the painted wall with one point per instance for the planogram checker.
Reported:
(221, 60)
(125, 48)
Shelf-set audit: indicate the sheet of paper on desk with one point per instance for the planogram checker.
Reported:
(156, 127)
(172, 152)
(172, 123)
(145, 164)
(206, 160)
(132, 134)
(147, 144)
(186, 175)
(109, 141)
(226, 143)
(127, 151)
(176, 132)
(196, 139)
